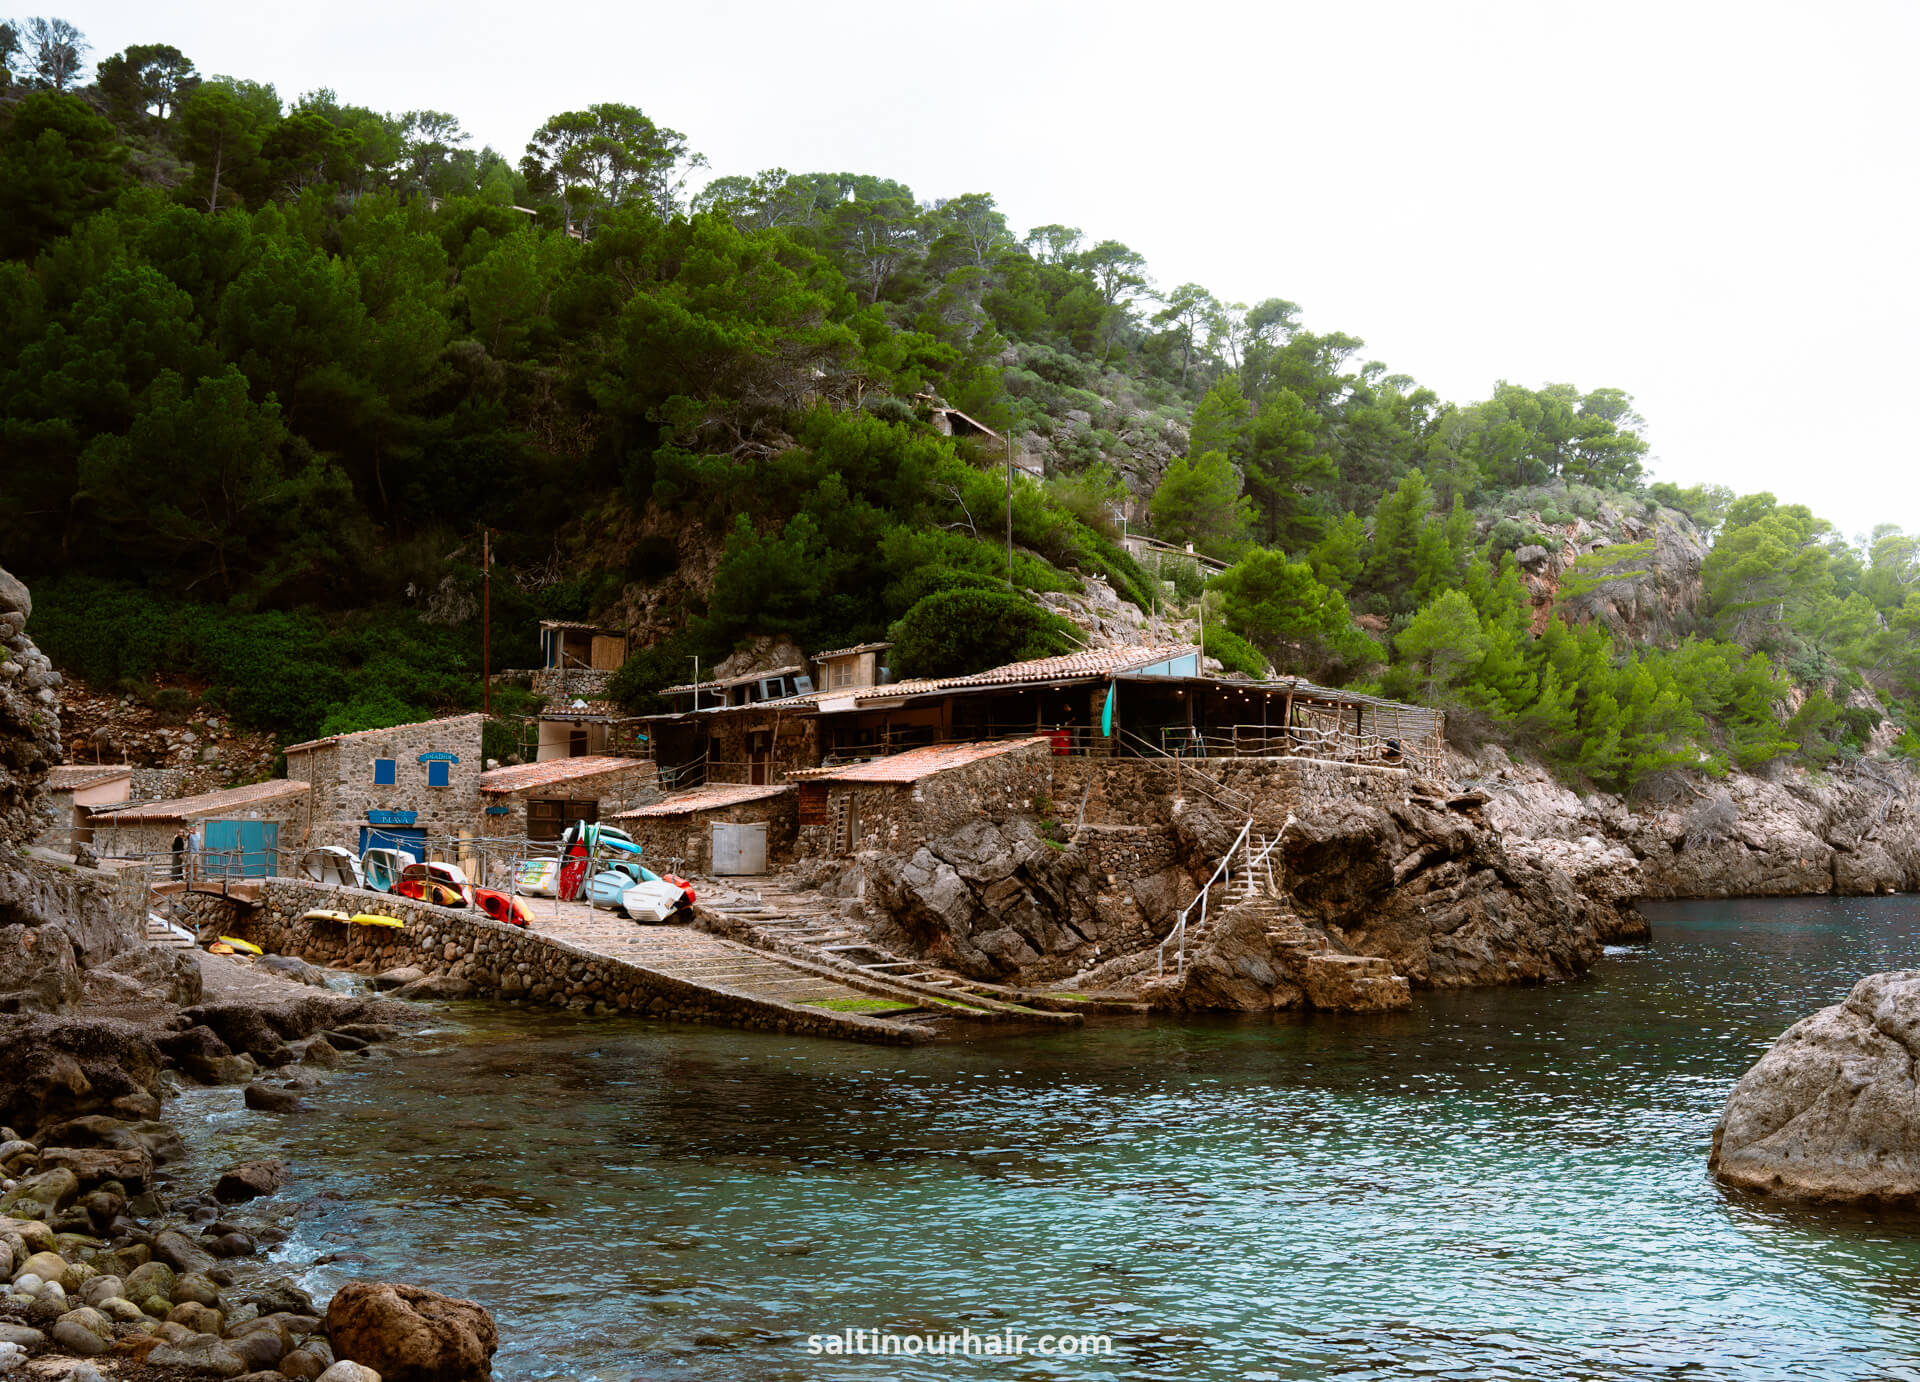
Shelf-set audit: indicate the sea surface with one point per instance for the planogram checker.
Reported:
(1502, 1184)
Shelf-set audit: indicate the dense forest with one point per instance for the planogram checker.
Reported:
(270, 368)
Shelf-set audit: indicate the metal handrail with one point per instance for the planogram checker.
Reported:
(1179, 931)
(1233, 800)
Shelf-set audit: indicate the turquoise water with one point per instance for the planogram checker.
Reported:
(1507, 1184)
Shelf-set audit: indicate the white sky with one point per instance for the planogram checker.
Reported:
(1711, 206)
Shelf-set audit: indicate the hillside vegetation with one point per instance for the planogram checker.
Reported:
(269, 368)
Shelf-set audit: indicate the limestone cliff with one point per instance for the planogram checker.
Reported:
(1853, 830)
(29, 718)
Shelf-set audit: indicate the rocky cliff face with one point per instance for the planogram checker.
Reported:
(1371, 901)
(1853, 831)
(1832, 1112)
(29, 718)
(1651, 599)
(55, 920)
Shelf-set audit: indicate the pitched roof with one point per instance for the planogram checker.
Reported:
(1085, 664)
(206, 803)
(708, 798)
(71, 777)
(388, 729)
(915, 764)
(521, 776)
(849, 652)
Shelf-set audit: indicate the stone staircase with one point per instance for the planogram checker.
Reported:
(806, 926)
(172, 935)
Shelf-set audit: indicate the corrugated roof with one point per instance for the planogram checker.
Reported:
(71, 777)
(709, 798)
(849, 652)
(205, 804)
(915, 764)
(389, 729)
(521, 776)
(1089, 662)
(714, 683)
(581, 628)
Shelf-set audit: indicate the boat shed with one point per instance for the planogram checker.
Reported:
(74, 791)
(254, 828)
(565, 645)
(537, 801)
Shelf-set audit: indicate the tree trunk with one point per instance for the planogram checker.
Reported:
(219, 153)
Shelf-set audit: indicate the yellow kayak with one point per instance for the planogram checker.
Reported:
(320, 914)
(375, 919)
(242, 947)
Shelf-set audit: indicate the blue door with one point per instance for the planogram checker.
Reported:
(411, 840)
(239, 849)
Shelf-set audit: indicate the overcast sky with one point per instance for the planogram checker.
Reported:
(1711, 206)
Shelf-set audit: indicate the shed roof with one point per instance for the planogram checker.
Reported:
(206, 803)
(71, 777)
(586, 710)
(849, 652)
(915, 764)
(388, 729)
(711, 797)
(520, 776)
(573, 626)
(743, 677)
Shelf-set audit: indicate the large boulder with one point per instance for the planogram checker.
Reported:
(54, 1068)
(1831, 1112)
(39, 972)
(160, 974)
(410, 1334)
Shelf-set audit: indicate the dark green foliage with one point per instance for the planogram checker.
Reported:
(952, 632)
(637, 685)
(1234, 653)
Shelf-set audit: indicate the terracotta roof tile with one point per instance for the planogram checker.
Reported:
(1090, 662)
(205, 804)
(71, 777)
(849, 652)
(709, 798)
(521, 776)
(915, 764)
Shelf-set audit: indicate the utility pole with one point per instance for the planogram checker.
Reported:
(696, 681)
(1008, 439)
(486, 622)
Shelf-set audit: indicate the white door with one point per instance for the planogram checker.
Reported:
(739, 849)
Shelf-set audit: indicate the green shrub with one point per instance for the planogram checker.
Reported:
(1234, 653)
(953, 632)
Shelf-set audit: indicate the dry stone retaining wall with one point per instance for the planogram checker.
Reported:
(507, 962)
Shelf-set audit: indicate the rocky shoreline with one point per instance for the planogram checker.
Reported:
(112, 1258)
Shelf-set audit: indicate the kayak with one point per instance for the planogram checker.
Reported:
(375, 919)
(537, 878)
(242, 947)
(322, 914)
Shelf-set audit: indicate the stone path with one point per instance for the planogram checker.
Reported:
(691, 955)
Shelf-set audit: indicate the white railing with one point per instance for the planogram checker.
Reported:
(1222, 873)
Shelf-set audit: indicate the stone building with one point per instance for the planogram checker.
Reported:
(850, 669)
(261, 828)
(896, 803)
(536, 801)
(73, 792)
(399, 787)
(679, 833)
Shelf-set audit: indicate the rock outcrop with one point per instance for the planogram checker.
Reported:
(1832, 1113)
(29, 717)
(1853, 831)
(1002, 902)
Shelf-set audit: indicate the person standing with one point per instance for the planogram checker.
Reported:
(179, 857)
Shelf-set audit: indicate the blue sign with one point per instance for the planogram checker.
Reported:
(438, 757)
(498, 810)
(391, 817)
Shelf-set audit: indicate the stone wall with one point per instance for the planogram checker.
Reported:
(617, 789)
(792, 741)
(1141, 791)
(689, 835)
(1121, 853)
(563, 685)
(899, 817)
(506, 962)
(341, 771)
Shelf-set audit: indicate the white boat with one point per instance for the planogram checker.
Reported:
(332, 864)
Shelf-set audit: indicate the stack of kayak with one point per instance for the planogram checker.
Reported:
(600, 865)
